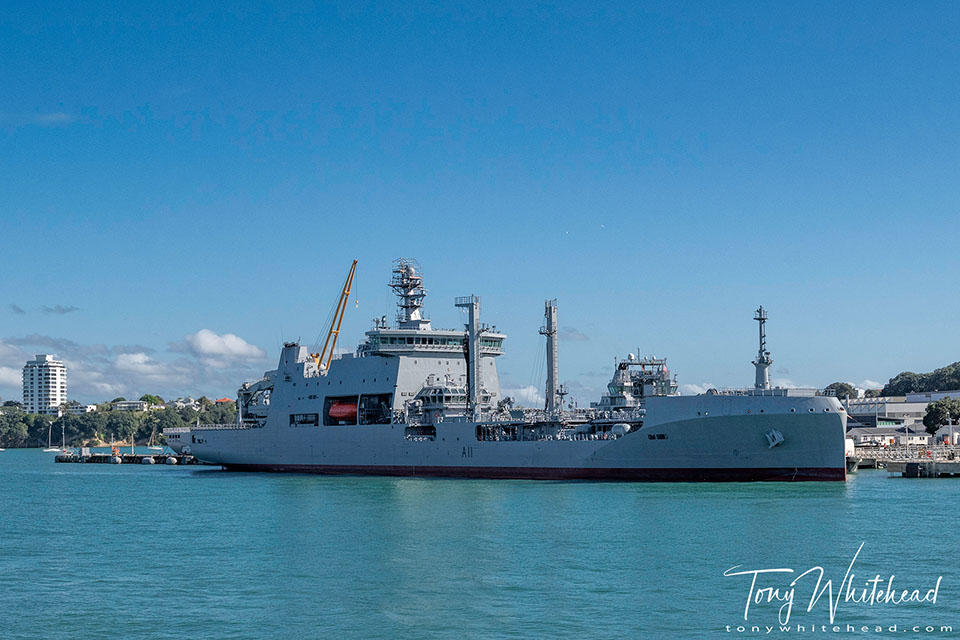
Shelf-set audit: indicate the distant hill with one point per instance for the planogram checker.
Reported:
(944, 379)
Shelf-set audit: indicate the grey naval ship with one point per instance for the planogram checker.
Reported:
(413, 400)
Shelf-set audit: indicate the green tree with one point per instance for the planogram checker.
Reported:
(151, 399)
(118, 399)
(219, 414)
(187, 415)
(38, 427)
(165, 419)
(122, 425)
(942, 379)
(940, 413)
(13, 430)
(842, 389)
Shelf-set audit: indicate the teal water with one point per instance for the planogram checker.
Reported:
(90, 551)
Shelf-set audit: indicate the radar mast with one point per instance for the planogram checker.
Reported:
(763, 361)
(407, 283)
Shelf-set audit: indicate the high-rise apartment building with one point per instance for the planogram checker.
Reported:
(44, 385)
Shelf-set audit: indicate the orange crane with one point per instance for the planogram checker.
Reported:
(334, 331)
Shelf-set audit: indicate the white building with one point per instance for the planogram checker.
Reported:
(130, 405)
(888, 436)
(181, 403)
(77, 409)
(44, 385)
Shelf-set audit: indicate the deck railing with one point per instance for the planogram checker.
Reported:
(206, 427)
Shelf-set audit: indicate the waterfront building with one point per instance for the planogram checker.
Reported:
(877, 411)
(77, 409)
(931, 396)
(130, 405)
(888, 436)
(44, 385)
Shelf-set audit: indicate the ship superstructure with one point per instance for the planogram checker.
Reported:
(635, 380)
(416, 400)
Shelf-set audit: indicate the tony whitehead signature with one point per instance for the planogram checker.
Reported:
(876, 590)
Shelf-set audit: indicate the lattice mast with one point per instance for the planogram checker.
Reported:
(472, 305)
(550, 331)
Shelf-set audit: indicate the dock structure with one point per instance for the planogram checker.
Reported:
(925, 468)
(126, 458)
(912, 462)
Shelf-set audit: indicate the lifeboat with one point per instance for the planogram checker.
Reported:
(343, 411)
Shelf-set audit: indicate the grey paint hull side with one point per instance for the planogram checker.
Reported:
(560, 473)
(720, 447)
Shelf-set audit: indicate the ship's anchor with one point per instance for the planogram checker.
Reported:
(774, 437)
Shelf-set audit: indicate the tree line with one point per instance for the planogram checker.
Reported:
(943, 379)
(21, 429)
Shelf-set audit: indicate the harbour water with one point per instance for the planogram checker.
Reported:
(88, 551)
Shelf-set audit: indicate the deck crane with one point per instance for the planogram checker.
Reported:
(334, 331)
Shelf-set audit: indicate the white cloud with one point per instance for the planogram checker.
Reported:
(54, 118)
(784, 383)
(218, 350)
(869, 384)
(59, 309)
(696, 389)
(10, 377)
(97, 372)
(140, 363)
(571, 334)
(41, 119)
(528, 396)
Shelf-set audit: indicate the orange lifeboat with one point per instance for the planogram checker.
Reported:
(343, 411)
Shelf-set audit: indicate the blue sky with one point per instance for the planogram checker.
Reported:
(660, 168)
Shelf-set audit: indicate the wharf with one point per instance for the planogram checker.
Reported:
(127, 458)
(925, 468)
(912, 462)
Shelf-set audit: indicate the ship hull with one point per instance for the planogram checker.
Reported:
(563, 473)
(682, 439)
